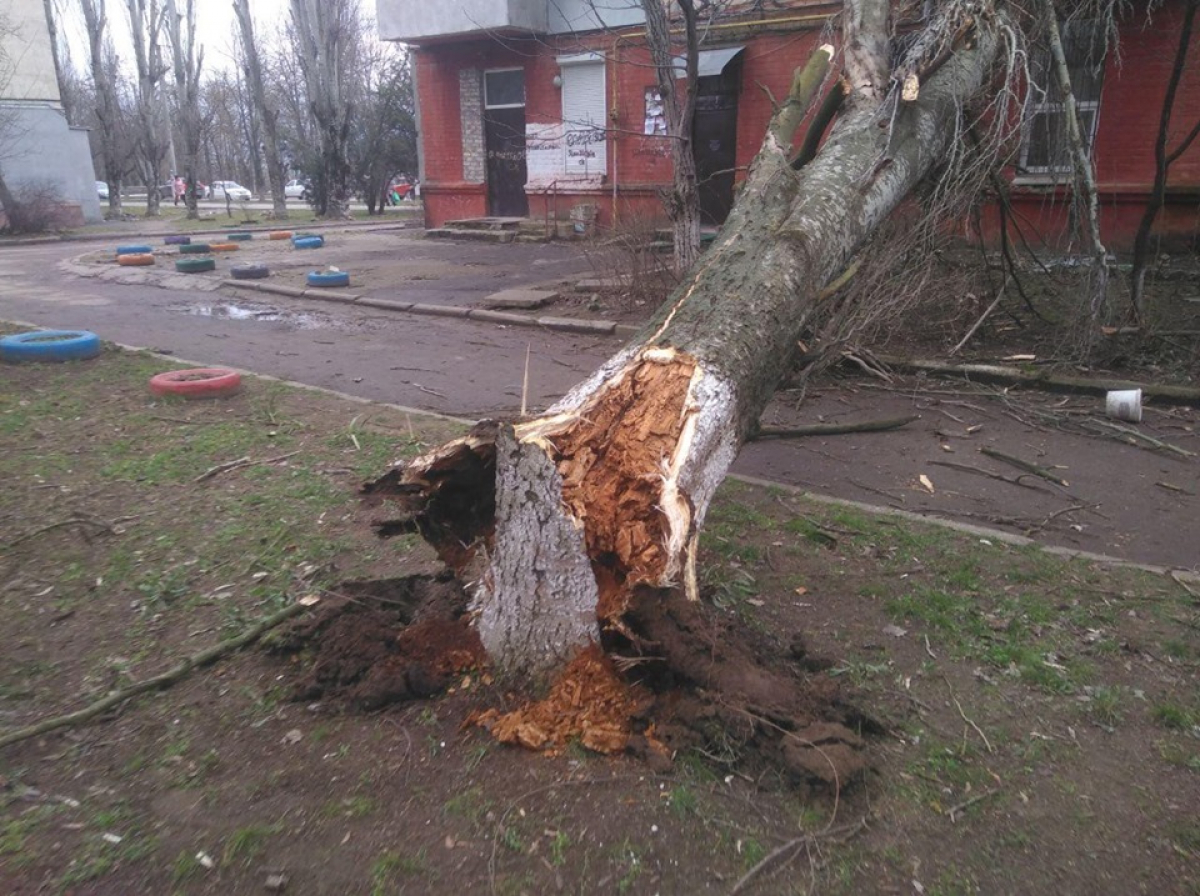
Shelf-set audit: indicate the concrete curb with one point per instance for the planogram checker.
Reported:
(158, 234)
(507, 318)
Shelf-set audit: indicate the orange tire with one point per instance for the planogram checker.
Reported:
(138, 260)
(223, 247)
(279, 235)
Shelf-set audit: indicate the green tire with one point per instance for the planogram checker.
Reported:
(195, 265)
(239, 237)
(194, 249)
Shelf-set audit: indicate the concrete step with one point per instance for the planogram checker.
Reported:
(486, 223)
(487, 236)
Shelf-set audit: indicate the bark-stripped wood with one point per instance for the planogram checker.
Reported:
(621, 471)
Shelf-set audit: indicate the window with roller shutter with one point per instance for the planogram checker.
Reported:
(585, 138)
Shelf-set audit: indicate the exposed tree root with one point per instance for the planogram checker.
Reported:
(677, 676)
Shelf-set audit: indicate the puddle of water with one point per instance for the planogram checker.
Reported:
(258, 313)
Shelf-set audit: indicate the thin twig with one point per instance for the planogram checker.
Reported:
(1025, 465)
(966, 804)
(241, 462)
(73, 521)
(792, 847)
(195, 661)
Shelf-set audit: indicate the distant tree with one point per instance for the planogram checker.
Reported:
(265, 110)
(188, 59)
(384, 139)
(146, 22)
(328, 35)
(110, 121)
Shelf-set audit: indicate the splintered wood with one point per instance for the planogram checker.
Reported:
(589, 702)
(613, 461)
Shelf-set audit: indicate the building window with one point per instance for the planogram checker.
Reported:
(1045, 147)
(585, 134)
(504, 88)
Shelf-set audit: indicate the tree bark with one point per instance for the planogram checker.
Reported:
(559, 521)
(145, 26)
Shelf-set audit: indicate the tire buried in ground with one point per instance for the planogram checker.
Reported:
(223, 247)
(138, 249)
(140, 259)
(280, 235)
(195, 265)
(308, 242)
(197, 382)
(250, 271)
(50, 345)
(177, 240)
(194, 249)
(328, 278)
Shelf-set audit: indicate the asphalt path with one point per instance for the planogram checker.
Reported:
(1122, 500)
(453, 367)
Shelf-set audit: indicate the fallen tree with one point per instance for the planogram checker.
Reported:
(580, 527)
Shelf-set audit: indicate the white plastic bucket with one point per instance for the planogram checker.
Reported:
(1125, 404)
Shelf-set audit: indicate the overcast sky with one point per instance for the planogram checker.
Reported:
(215, 24)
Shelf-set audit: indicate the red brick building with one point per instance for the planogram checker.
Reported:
(529, 108)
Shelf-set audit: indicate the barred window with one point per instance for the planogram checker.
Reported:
(1045, 146)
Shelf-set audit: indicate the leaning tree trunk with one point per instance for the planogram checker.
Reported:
(558, 522)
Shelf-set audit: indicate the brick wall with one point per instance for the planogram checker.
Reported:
(640, 166)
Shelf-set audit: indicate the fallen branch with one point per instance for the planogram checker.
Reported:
(953, 811)
(792, 847)
(1025, 465)
(968, 468)
(979, 323)
(196, 661)
(241, 462)
(832, 429)
(1150, 440)
(73, 521)
(1043, 379)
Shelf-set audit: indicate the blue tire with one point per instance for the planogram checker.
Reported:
(308, 242)
(50, 345)
(177, 240)
(134, 250)
(332, 278)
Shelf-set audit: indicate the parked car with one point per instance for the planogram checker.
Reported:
(102, 190)
(228, 189)
(296, 189)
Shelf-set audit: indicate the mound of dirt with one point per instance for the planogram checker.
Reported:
(677, 676)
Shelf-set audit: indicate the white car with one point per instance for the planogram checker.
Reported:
(228, 189)
(102, 190)
(296, 189)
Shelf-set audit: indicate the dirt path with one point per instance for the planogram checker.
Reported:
(1120, 499)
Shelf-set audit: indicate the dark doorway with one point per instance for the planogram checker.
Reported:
(714, 141)
(504, 142)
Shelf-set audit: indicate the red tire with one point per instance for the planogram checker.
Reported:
(198, 382)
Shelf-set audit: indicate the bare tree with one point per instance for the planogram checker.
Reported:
(109, 117)
(564, 522)
(328, 33)
(1163, 160)
(146, 20)
(266, 111)
(383, 141)
(188, 60)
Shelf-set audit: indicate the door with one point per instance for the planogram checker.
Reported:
(714, 142)
(504, 142)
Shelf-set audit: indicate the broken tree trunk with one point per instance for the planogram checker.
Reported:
(558, 522)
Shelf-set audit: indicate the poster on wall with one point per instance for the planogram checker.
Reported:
(656, 117)
(544, 152)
